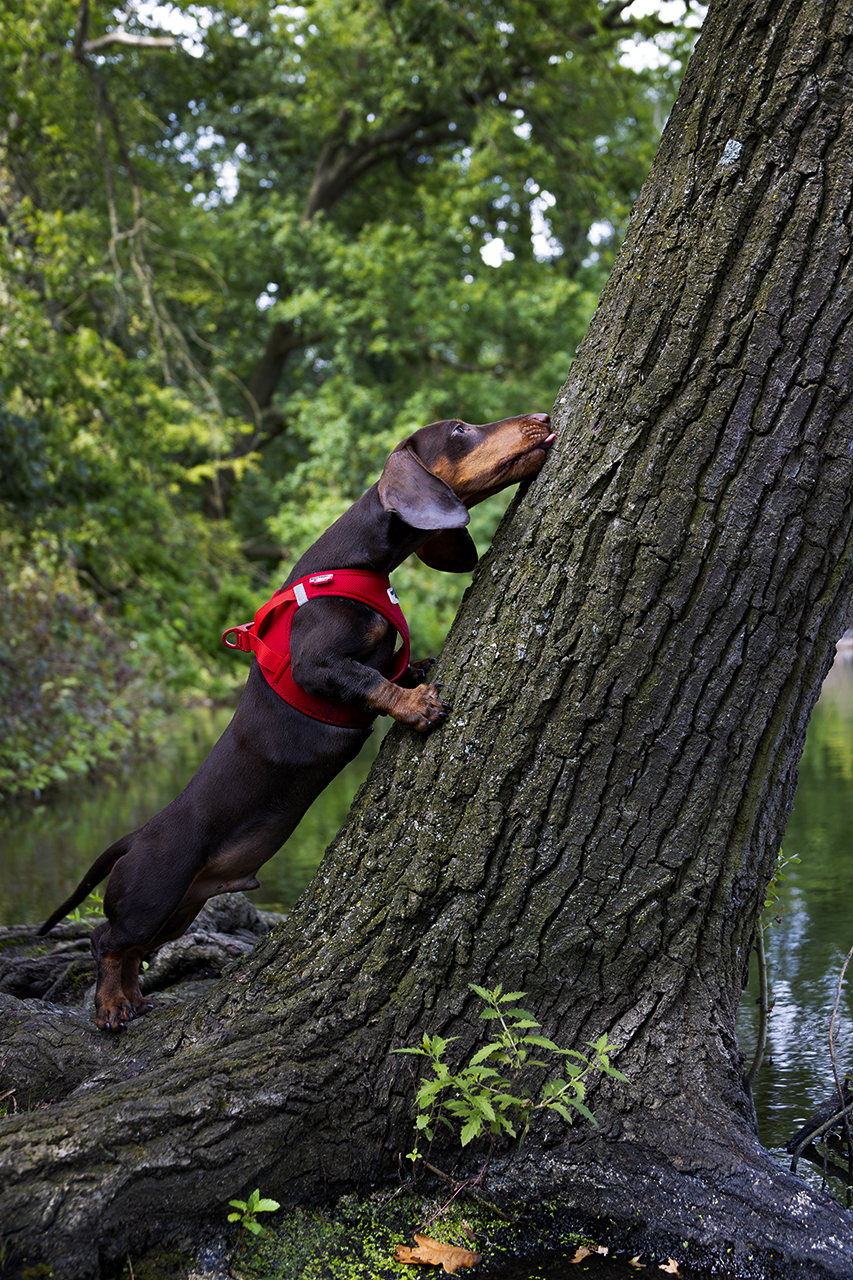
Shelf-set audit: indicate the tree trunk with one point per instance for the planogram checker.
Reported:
(631, 679)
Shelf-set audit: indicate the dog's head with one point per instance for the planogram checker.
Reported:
(435, 475)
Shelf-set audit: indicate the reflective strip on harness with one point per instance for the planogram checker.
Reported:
(268, 637)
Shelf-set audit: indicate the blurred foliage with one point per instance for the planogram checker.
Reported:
(72, 692)
(235, 272)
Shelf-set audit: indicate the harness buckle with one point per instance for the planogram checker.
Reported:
(241, 637)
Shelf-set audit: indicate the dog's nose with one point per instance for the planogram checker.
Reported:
(541, 417)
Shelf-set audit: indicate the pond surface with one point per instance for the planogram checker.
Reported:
(810, 934)
(45, 850)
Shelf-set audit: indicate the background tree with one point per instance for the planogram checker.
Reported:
(231, 282)
(631, 676)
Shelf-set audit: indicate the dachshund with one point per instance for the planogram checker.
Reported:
(306, 711)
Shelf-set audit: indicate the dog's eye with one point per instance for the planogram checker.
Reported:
(459, 429)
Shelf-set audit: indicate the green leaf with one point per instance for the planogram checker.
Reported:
(543, 1042)
(617, 1075)
(505, 1100)
(584, 1110)
(480, 991)
(428, 1090)
(471, 1130)
(482, 1054)
(267, 1206)
(489, 1073)
(513, 995)
(486, 1107)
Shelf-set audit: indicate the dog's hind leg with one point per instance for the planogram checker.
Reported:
(142, 911)
(130, 963)
(114, 1008)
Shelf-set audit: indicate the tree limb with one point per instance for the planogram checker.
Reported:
(333, 175)
(82, 46)
(125, 38)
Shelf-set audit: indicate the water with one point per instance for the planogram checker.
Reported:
(811, 934)
(46, 849)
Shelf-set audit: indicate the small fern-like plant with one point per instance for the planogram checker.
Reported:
(489, 1095)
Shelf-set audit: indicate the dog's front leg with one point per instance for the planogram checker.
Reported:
(332, 645)
(416, 673)
(422, 707)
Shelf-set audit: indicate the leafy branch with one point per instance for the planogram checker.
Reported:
(490, 1094)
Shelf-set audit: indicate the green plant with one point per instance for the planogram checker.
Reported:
(490, 1094)
(247, 1211)
(93, 905)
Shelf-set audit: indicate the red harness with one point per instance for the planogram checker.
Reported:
(275, 619)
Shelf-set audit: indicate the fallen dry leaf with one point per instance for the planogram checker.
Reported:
(635, 1262)
(435, 1254)
(466, 1227)
(581, 1252)
(671, 1266)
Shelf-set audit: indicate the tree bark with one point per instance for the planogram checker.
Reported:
(631, 677)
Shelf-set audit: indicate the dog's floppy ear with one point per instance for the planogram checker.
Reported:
(412, 492)
(451, 550)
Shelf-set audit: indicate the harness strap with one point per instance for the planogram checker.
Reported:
(275, 619)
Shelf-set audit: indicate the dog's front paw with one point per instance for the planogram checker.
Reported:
(422, 708)
(416, 672)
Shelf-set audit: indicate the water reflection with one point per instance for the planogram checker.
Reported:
(807, 946)
(45, 850)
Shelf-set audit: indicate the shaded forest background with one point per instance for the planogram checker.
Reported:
(236, 268)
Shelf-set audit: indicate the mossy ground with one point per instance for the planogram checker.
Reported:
(356, 1239)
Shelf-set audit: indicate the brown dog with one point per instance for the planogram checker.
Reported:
(273, 760)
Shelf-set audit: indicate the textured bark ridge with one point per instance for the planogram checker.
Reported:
(631, 678)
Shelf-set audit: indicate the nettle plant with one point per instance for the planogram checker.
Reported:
(490, 1094)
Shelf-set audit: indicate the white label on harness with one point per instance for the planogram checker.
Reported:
(300, 593)
(392, 596)
(320, 578)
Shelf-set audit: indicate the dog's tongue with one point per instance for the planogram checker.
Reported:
(551, 438)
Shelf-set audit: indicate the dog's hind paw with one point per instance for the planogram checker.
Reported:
(116, 1018)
